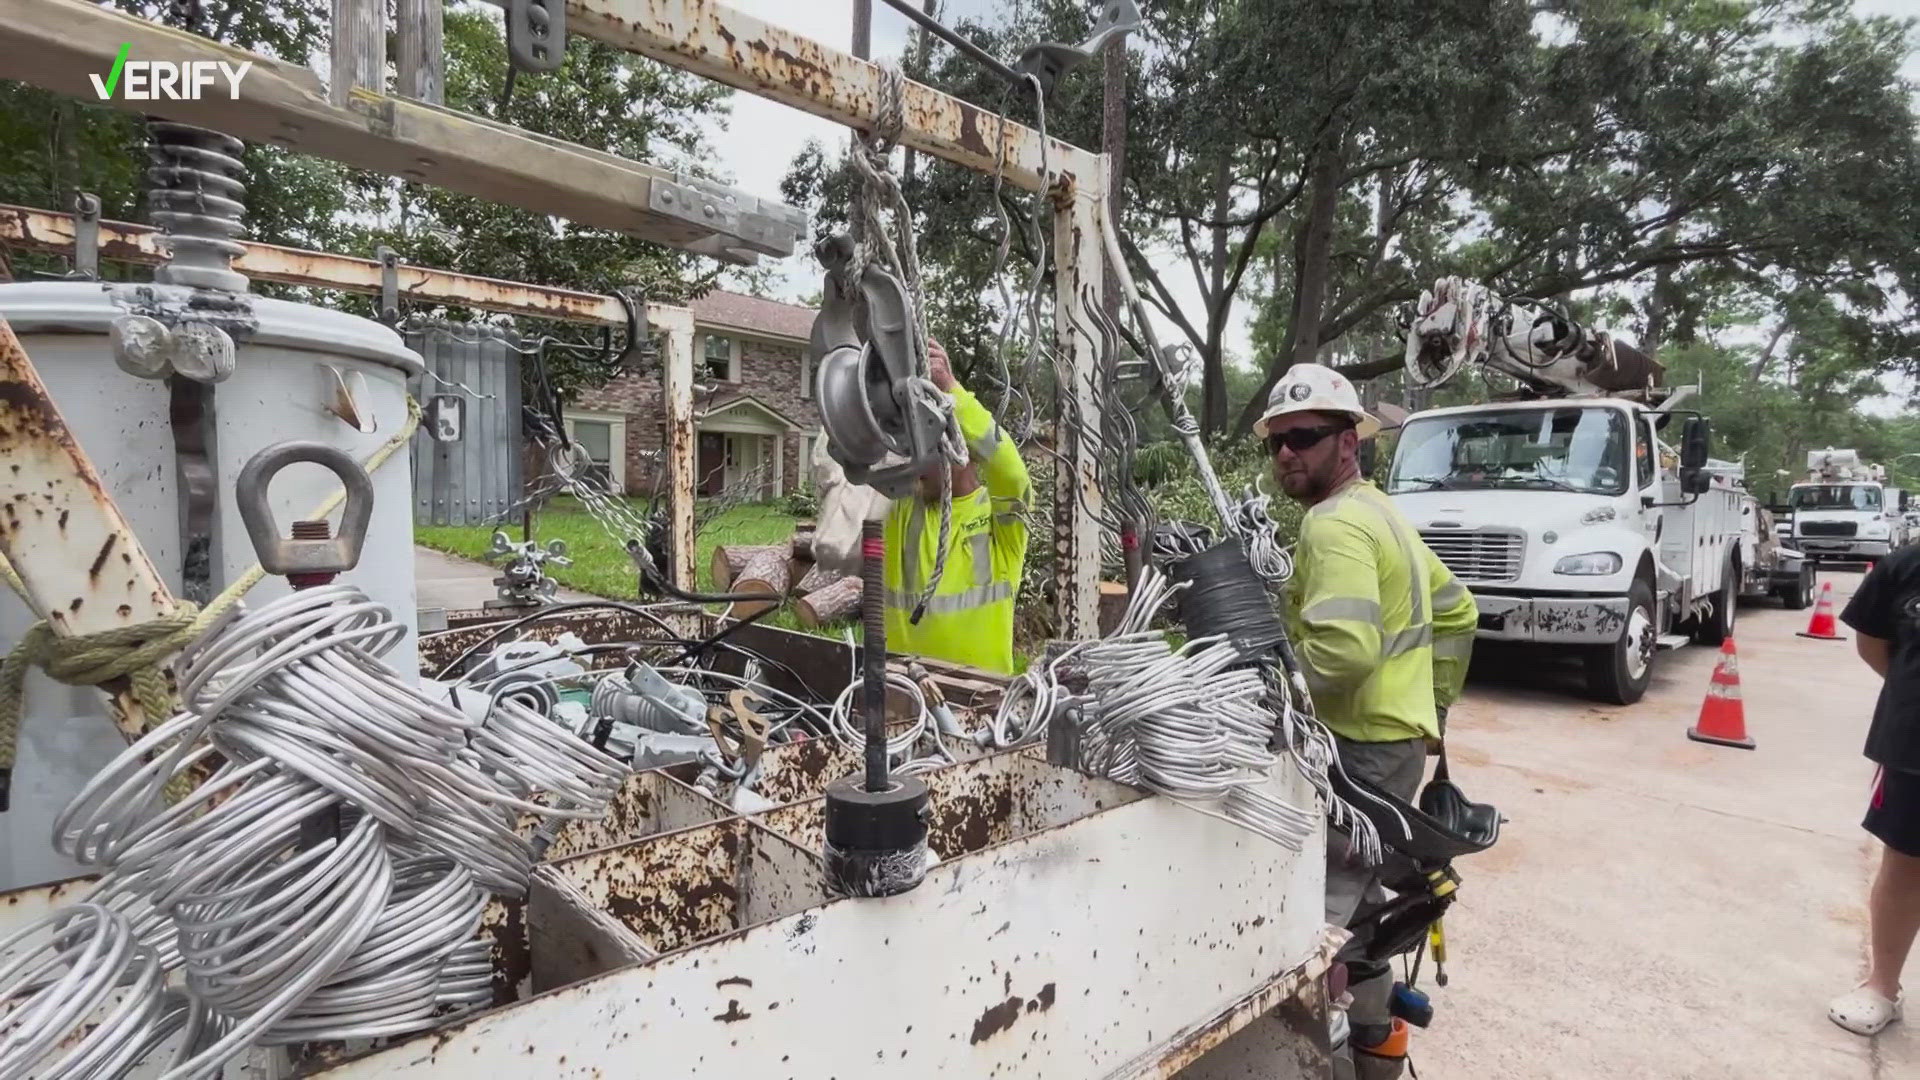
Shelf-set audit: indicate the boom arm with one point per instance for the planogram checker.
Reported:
(1460, 322)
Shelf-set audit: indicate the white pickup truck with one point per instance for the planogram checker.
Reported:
(1576, 527)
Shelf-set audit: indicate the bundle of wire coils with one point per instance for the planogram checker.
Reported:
(1188, 724)
(320, 872)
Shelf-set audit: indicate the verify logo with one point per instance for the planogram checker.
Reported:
(151, 80)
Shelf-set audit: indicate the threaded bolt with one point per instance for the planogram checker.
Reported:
(311, 530)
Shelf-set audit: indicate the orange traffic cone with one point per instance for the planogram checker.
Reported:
(1723, 719)
(1822, 626)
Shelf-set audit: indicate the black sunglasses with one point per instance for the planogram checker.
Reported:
(1299, 440)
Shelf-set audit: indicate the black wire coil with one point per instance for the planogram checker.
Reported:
(1225, 597)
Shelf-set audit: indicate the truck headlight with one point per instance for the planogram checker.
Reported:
(1876, 530)
(1593, 562)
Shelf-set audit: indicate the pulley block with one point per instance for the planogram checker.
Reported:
(880, 430)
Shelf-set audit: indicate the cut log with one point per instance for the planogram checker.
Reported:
(816, 577)
(730, 560)
(803, 543)
(840, 600)
(765, 574)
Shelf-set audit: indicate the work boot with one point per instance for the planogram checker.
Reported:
(1380, 1050)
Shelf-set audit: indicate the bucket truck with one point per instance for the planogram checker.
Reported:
(1845, 509)
(1582, 516)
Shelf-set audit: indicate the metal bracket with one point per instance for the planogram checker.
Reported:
(86, 235)
(536, 34)
(389, 284)
(285, 555)
(640, 350)
(344, 393)
(744, 226)
(1048, 60)
(445, 417)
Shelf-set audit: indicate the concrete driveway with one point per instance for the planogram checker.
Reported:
(1658, 907)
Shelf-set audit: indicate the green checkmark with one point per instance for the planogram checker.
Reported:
(120, 61)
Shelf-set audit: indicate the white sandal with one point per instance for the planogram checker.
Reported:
(1863, 1011)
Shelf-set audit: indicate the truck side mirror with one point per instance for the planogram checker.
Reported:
(1695, 445)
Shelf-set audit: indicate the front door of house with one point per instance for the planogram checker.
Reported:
(710, 463)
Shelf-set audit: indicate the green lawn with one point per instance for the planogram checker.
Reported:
(600, 566)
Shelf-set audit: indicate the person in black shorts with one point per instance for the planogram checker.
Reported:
(1885, 615)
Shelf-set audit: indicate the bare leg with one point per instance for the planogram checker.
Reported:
(1893, 909)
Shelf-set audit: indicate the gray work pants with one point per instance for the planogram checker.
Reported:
(1395, 767)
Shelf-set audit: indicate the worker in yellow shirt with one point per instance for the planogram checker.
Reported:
(969, 619)
(1383, 633)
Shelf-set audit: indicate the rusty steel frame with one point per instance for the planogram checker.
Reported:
(80, 562)
(142, 245)
(996, 964)
(55, 44)
(731, 47)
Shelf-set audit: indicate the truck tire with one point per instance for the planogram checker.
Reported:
(1798, 595)
(1619, 673)
(1716, 625)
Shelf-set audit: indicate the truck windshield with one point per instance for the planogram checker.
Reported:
(1574, 448)
(1834, 497)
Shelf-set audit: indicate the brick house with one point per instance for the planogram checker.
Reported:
(754, 415)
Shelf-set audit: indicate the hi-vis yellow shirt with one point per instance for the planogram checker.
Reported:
(1383, 629)
(970, 618)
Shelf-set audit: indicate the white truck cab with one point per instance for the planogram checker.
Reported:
(1845, 509)
(1574, 526)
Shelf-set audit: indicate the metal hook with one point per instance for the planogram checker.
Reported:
(314, 553)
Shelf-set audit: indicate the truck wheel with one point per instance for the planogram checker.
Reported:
(1619, 673)
(1716, 625)
(1799, 594)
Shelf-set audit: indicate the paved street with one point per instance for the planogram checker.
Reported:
(1657, 907)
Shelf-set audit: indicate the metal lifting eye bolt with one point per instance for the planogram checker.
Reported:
(311, 555)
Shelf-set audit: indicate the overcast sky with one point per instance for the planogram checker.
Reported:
(762, 137)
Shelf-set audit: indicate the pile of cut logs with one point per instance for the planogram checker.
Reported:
(777, 571)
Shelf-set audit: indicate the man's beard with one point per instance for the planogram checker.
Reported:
(1306, 485)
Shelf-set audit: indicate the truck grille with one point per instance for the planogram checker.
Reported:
(1479, 555)
(1828, 528)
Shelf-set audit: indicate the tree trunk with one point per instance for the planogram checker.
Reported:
(1765, 360)
(1316, 251)
(730, 562)
(816, 577)
(1213, 399)
(1313, 251)
(766, 574)
(840, 600)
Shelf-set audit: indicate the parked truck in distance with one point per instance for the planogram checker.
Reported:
(1845, 509)
(1586, 516)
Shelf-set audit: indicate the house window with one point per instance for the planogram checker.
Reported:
(806, 377)
(717, 359)
(603, 440)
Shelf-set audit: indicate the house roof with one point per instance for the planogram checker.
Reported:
(729, 400)
(753, 314)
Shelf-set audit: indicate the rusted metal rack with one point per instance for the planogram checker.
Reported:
(1073, 926)
(353, 118)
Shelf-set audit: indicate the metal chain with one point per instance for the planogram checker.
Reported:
(880, 195)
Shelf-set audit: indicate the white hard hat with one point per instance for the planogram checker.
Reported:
(1316, 388)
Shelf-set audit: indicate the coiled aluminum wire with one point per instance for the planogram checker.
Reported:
(324, 878)
(81, 997)
(1180, 724)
